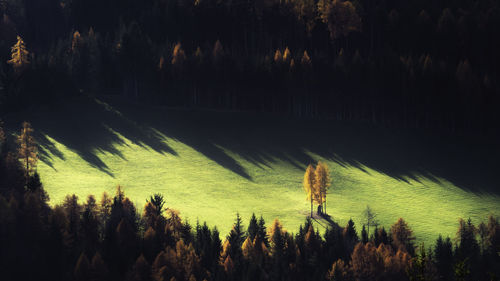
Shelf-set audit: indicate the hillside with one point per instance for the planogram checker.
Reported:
(210, 165)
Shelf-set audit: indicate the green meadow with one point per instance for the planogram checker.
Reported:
(210, 165)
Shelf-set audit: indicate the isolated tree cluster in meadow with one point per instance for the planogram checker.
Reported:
(316, 183)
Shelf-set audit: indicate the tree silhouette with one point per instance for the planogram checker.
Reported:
(27, 150)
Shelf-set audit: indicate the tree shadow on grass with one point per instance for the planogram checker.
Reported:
(467, 161)
(89, 126)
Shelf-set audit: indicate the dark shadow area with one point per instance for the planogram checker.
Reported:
(325, 221)
(86, 126)
(468, 161)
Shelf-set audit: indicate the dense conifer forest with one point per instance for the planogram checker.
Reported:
(408, 63)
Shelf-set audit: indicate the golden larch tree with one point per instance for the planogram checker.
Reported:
(277, 56)
(308, 185)
(27, 151)
(287, 55)
(306, 60)
(322, 183)
(178, 55)
(19, 55)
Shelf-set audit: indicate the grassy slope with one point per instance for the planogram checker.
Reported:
(209, 165)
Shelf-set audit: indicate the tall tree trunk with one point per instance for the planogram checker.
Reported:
(311, 206)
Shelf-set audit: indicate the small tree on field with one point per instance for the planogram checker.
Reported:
(27, 149)
(309, 184)
(322, 183)
(369, 216)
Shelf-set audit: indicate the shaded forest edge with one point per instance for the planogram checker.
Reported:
(110, 240)
(414, 64)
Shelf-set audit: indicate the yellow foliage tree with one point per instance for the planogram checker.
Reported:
(19, 55)
(309, 184)
(322, 183)
(76, 42)
(277, 56)
(306, 60)
(27, 149)
(178, 55)
(287, 55)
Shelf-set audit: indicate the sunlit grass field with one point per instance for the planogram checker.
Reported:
(210, 165)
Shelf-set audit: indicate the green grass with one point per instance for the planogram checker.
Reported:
(210, 165)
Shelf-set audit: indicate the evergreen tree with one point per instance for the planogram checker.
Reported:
(82, 270)
(253, 227)
(27, 150)
(443, 255)
(99, 270)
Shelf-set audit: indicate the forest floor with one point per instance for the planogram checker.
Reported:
(210, 165)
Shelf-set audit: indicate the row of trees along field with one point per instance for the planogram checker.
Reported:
(412, 63)
(110, 239)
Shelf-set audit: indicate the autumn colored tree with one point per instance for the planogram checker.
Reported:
(321, 184)
(141, 270)
(178, 55)
(309, 185)
(27, 150)
(367, 264)
(19, 55)
(402, 236)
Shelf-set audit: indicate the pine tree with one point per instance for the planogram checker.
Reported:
(19, 55)
(27, 150)
(99, 270)
(141, 271)
(253, 227)
(82, 269)
(364, 235)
